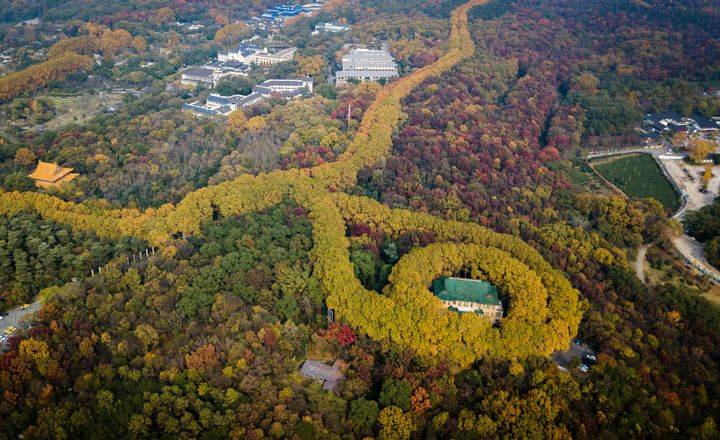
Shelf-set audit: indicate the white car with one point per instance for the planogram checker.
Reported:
(584, 368)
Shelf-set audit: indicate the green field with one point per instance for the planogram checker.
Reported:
(639, 176)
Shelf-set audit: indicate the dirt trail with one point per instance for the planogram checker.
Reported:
(640, 262)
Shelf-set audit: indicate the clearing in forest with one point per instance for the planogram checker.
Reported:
(638, 176)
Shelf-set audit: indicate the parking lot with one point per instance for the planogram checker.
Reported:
(14, 320)
(689, 178)
(577, 350)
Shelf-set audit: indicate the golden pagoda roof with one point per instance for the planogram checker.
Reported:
(51, 172)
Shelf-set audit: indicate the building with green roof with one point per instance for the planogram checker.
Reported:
(468, 295)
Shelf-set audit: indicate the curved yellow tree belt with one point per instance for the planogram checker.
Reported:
(544, 307)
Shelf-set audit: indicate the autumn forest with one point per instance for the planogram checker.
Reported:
(199, 271)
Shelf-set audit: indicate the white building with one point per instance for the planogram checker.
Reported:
(269, 58)
(272, 88)
(210, 74)
(241, 53)
(300, 85)
(366, 65)
(196, 76)
(313, 8)
(255, 54)
(330, 28)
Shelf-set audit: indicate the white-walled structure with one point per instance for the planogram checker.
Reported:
(224, 105)
(366, 65)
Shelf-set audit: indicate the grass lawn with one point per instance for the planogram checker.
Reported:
(80, 108)
(639, 176)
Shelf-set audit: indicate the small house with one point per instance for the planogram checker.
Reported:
(329, 375)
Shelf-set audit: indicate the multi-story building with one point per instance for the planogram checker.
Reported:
(224, 105)
(366, 65)
(468, 295)
(241, 53)
(674, 122)
(331, 28)
(197, 76)
(267, 57)
(210, 74)
(295, 86)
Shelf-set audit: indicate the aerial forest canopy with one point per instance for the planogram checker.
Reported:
(301, 256)
(376, 314)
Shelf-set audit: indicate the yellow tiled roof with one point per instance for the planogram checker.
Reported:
(50, 172)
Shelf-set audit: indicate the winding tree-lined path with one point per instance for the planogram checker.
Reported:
(545, 314)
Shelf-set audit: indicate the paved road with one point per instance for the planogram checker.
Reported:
(15, 316)
(577, 349)
(692, 250)
(615, 152)
(689, 184)
(640, 262)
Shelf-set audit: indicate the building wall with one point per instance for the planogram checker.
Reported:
(369, 64)
(56, 184)
(490, 311)
(194, 81)
(341, 80)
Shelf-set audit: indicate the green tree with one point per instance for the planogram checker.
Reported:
(364, 262)
(287, 308)
(396, 393)
(326, 90)
(394, 424)
(363, 413)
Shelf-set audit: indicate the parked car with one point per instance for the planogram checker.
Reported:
(584, 368)
(24, 306)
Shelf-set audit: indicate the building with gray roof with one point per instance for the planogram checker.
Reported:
(224, 105)
(329, 375)
(366, 65)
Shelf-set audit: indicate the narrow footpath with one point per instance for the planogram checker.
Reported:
(640, 262)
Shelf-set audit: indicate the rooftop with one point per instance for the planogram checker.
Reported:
(267, 91)
(201, 72)
(380, 54)
(244, 100)
(220, 99)
(465, 289)
(198, 109)
(51, 172)
(286, 82)
(705, 123)
(657, 117)
(329, 374)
